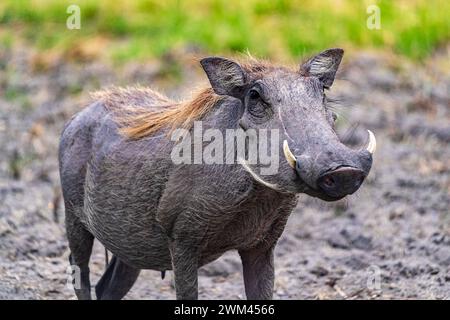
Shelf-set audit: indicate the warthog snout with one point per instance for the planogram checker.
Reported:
(341, 182)
(346, 180)
(333, 173)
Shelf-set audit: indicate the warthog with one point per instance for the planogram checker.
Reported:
(121, 187)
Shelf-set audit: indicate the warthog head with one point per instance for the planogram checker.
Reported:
(312, 159)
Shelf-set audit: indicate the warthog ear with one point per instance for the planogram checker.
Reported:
(226, 76)
(323, 66)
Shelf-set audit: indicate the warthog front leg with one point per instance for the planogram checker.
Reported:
(258, 272)
(185, 265)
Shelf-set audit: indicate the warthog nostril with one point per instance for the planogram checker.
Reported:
(328, 182)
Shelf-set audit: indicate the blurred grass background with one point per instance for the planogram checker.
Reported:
(282, 29)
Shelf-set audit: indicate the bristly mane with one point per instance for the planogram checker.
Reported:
(140, 112)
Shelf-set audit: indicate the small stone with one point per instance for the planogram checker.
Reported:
(319, 271)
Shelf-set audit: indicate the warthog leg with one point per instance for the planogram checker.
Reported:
(116, 281)
(185, 264)
(80, 244)
(258, 273)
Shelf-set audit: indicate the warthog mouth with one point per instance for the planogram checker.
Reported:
(304, 189)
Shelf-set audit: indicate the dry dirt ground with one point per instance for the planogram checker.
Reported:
(391, 240)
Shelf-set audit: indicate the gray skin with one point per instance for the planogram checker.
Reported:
(153, 214)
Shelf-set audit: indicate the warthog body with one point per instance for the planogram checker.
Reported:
(150, 213)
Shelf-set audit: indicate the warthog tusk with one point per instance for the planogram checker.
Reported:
(372, 146)
(255, 176)
(288, 154)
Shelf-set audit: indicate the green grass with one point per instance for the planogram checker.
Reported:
(273, 28)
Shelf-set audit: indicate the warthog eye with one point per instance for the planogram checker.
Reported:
(253, 94)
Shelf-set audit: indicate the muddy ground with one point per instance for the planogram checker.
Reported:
(390, 240)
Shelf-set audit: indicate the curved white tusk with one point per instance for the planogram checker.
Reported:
(255, 176)
(372, 146)
(288, 154)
